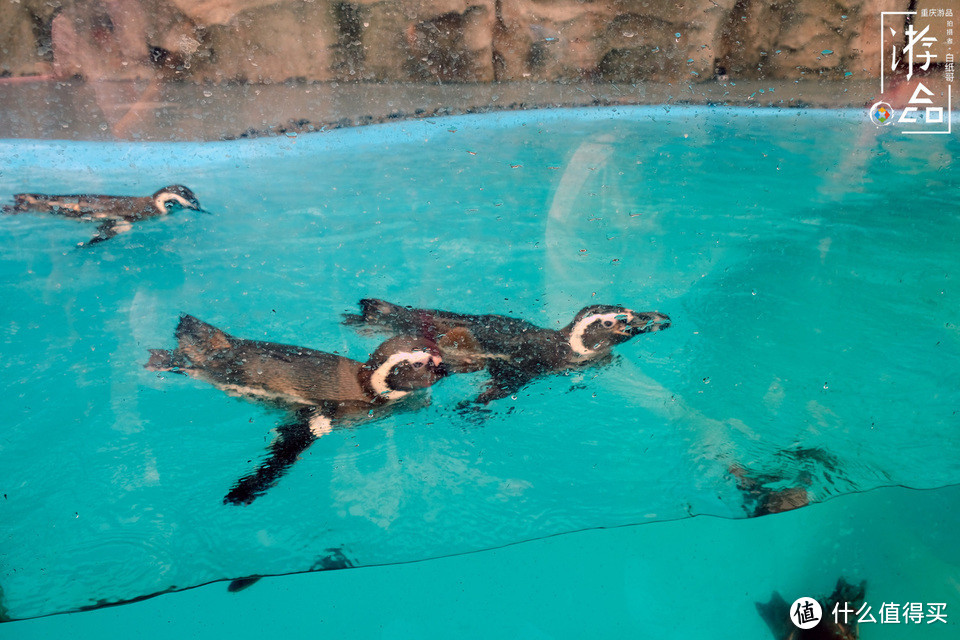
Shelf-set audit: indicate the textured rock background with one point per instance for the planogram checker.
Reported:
(442, 40)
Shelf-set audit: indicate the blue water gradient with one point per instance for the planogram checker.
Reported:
(808, 260)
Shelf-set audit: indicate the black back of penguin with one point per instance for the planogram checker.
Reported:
(107, 207)
(115, 214)
(593, 331)
(468, 341)
(293, 375)
(286, 373)
(514, 351)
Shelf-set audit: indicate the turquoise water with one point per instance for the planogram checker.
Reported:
(807, 259)
(694, 578)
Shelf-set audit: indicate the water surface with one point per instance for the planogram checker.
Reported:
(808, 260)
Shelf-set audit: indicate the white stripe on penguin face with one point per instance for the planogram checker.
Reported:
(378, 380)
(160, 202)
(576, 334)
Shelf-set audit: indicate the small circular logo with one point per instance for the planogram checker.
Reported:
(881, 113)
(805, 613)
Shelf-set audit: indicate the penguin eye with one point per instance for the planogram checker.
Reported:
(417, 365)
(608, 323)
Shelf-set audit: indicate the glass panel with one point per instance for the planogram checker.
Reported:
(306, 285)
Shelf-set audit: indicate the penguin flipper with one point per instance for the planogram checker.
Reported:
(108, 230)
(293, 439)
(505, 380)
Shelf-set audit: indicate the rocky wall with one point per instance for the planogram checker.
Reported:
(441, 40)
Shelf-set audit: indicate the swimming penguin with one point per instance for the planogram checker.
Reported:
(319, 389)
(779, 617)
(514, 351)
(116, 214)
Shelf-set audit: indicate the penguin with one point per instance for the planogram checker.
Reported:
(320, 390)
(763, 500)
(777, 615)
(789, 485)
(512, 350)
(116, 214)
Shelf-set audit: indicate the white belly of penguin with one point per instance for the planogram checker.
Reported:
(262, 394)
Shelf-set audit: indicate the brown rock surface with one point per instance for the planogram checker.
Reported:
(442, 40)
(281, 41)
(792, 39)
(20, 44)
(217, 12)
(101, 40)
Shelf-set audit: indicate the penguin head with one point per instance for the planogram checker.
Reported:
(403, 364)
(176, 196)
(599, 327)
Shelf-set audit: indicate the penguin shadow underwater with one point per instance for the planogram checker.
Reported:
(321, 391)
(513, 351)
(115, 214)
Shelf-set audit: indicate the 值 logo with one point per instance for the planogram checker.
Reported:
(805, 613)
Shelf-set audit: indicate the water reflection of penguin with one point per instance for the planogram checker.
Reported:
(333, 559)
(761, 499)
(116, 214)
(788, 487)
(319, 388)
(514, 351)
(776, 614)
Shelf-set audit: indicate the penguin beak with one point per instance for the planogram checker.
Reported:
(647, 322)
(195, 205)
